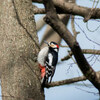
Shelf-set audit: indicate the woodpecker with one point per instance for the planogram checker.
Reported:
(47, 59)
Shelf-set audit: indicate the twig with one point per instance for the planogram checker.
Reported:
(87, 17)
(85, 51)
(73, 27)
(64, 46)
(87, 91)
(94, 29)
(86, 35)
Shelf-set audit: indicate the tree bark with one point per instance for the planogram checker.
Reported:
(20, 74)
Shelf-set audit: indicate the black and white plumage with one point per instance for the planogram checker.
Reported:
(47, 59)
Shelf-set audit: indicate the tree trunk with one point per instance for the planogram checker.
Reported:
(20, 75)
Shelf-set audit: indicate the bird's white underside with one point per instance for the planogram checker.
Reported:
(42, 56)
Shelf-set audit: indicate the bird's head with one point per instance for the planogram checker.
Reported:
(53, 45)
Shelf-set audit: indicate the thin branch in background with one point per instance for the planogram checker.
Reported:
(81, 84)
(92, 30)
(90, 16)
(92, 57)
(98, 58)
(64, 46)
(87, 91)
(69, 67)
(87, 17)
(73, 27)
(81, 81)
(85, 51)
(71, 57)
(76, 18)
(86, 35)
(67, 57)
(94, 61)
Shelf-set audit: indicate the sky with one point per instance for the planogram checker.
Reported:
(87, 40)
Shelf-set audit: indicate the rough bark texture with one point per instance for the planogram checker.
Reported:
(18, 51)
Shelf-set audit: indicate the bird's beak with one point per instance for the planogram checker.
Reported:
(46, 43)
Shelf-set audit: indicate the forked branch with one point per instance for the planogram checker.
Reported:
(71, 8)
(53, 20)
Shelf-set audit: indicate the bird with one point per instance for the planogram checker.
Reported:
(47, 59)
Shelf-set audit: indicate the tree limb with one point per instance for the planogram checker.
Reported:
(65, 82)
(39, 10)
(38, 1)
(71, 8)
(53, 20)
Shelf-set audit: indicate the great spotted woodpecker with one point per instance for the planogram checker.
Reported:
(47, 59)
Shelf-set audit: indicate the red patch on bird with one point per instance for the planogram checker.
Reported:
(57, 46)
(42, 71)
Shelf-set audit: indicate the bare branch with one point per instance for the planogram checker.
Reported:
(85, 51)
(39, 10)
(73, 27)
(71, 8)
(65, 82)
(53, 20)
(91, 12)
